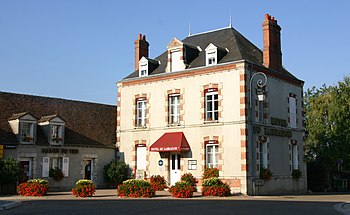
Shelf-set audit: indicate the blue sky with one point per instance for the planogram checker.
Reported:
(79, 49)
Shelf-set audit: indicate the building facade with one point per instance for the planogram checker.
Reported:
(215, 100)
(44, 134)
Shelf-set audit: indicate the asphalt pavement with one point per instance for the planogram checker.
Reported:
(341, 201)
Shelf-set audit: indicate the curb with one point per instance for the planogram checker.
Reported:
(10, 205)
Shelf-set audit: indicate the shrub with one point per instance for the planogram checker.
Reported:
(265, 174)
(296, 173)
(116, 172)
(34, 187)
(210, 172)
(56, 174)
(135, 188)
(188, 177)
(182, 189)
(9, 171)
(157, 182)
(84, 188)
(215, 187)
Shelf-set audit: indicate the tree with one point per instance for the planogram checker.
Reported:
(9, 171)
(116, 172)
(327, 123)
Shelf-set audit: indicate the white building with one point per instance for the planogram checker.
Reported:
(197, 105)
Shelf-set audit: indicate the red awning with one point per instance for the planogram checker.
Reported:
(171, 142)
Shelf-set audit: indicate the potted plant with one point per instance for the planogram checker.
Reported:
(84, 188)
(296, 173)
(33, 187)
(265, 173)
(56, 174)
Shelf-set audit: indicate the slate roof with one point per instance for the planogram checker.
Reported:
(240, 48)
(48, 118)
(86, 124)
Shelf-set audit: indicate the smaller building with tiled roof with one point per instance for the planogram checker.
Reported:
(45, 133)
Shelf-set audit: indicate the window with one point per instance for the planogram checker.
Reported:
(141, 157)
(211, 106)
(295, 160)
(27, 132)
(143, 73)
(174, 109)
(263, 155)
(56, 134)
(141, 112)
(143, 67)
(292, 112)
(175, 60)
(61, 163)
(212, 154)
(211, 58)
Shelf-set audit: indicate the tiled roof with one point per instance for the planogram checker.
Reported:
(86, 124)
(239, 48)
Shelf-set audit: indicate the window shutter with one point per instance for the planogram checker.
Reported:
(65, 166)
(45, 169)
(292, 112)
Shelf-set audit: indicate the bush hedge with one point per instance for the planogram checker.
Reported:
(182, 189)
(84, 188)
(135, 188)
(157, 182)
(210, 172)
(215, 187)
(188, 177)
(33, 187)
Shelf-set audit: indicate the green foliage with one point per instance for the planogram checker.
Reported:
(327, 123)
(210, 172)
(188, 177)
(265, 174)
(182, 189)
(84, 188)
(215, 187)
(9, 170)
(56, 174)
(135, 188)
(158, 182)
(116, 172)
(296, 173)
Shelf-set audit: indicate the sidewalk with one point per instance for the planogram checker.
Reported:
(342, 202)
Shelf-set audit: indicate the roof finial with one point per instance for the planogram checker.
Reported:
(189, 29)
(230, 21)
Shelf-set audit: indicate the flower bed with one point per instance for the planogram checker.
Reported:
(34, 187)
(265, 174)
(188, 177)
(182, 189)
(210, 172)
(84, 188)
(157, 182)
(135, 188)
(215, 187)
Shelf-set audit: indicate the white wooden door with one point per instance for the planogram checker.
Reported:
(175, 174)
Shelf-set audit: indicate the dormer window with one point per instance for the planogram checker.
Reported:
(143, 67)
(24, 126)
(213, 54)
(53, 126)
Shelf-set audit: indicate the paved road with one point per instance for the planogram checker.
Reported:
(172, 206)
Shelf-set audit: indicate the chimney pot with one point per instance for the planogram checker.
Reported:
(272, 55)
(141, 49)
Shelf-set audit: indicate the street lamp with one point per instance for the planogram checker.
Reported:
(261, 82)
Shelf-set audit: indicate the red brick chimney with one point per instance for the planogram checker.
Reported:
(272, 43)
(141, 49)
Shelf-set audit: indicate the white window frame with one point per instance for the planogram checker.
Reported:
(215, 155)
(143, 71)
(141, 107)
(263, 155)
(211, 103)
(176, 60)
(27, 132)
(292, 112)
(211, 57)
(295, 157)
(56, 132)
(174, 109)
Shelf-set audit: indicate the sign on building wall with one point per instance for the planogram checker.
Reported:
(192, 164)
(1, 151)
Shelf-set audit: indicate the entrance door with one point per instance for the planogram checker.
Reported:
(26, 169)
(174, 168)
(88, 170)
